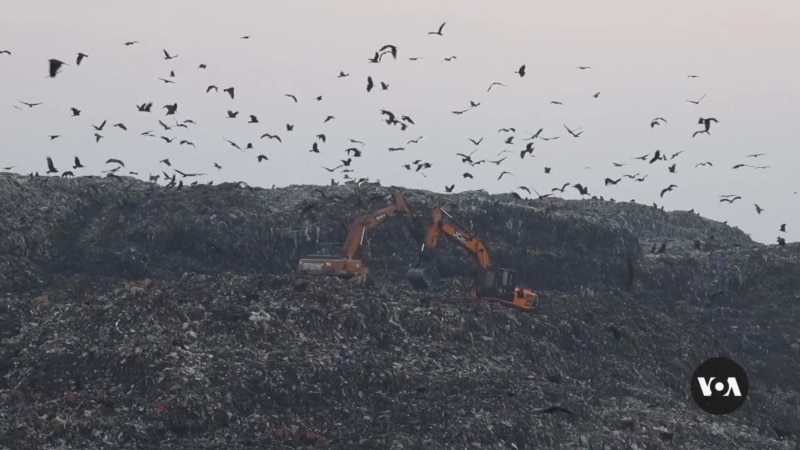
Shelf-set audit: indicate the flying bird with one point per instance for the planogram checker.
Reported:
(253, 119)
(388, 48)
(168, 56)
(342, 74)
(439, 32)
(50, 167)
(233, 144)
(495, 84)
(758, 209)
(99, 127)
(504, 173)
(77, 164)
(171, 109)
(229, 91)
(697, 102)
(30, 105)
(478, 142)
(521, 71)
(730, 199)
(121, 126)
(54, 65)
(129, 43)
(115, 161)
(575, 133)
(668, 189)
(271, 136)
(75, 112)
(657, 121)
(370, 84)
(262, 158)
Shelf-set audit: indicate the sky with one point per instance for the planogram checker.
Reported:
(639, 53)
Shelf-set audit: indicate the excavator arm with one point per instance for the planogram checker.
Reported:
(355, 237)
(491, 283)
(344, 264)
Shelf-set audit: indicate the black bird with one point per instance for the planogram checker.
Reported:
(783, 228)
(707, 163)
(75, 112)
(144, 107)
(414, 141)
(528, 149)
(356, 153)
(129, 43)
(210, 87)
(50, 167)
(67, 174)
(582, 190)
(610, 181)
(54, 66)
(100, 127)
(584, 67)
(232, 114)
(202, 66)
(439, 32)
(229, 91)
(657, 121)
(407, 119)
(525, 188)
(30, 105)
(185, 142)
(672, 168)
(289, 127)
(356, 141)
(253, 119)
(168, 56)
(521, 71)
(77, 164)
(561, 189)
(370, 84)
(730, 199)
(553, 409)
(478, 142)
(167, 140)
(342, 74)
(262, 158)
(668, 189)
(328, 119)
(758, 209)
(233, 144)
(396, 149)
(314, 148)
(115, 161)
(449, 188)
(697, 102)
(706, 122)
(388, 48)
(510, 140)
(656, 156)
(166, 81)
(534, 135)
(781, 241)
(467, 175)
(384, 86)
(503, 173)
(54, 136)
(575, 133)
(6, 52)
(271, 136)
(495, 84)
(171, 109)
(674, 155)
(555, 102)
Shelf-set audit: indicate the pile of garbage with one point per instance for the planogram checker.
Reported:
(165, 331)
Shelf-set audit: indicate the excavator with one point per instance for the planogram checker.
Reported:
(491, 283)
(343, 264)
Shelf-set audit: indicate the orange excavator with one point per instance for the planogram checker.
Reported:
(491, 283)
(343, 264)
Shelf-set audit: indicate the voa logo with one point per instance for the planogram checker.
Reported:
(731, 384)
(719, 386)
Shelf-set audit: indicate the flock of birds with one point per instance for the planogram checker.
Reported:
(168, 124)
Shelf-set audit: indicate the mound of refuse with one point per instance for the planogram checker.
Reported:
(137, 316)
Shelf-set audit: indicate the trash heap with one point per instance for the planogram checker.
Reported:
(167, 332)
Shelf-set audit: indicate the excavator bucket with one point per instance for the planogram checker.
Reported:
(420, 278)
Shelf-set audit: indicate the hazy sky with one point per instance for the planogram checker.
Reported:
(746, 53)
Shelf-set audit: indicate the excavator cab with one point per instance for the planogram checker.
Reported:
(501, 285)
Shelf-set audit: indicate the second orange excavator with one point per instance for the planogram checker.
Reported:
(343, 264)
(491, 283)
